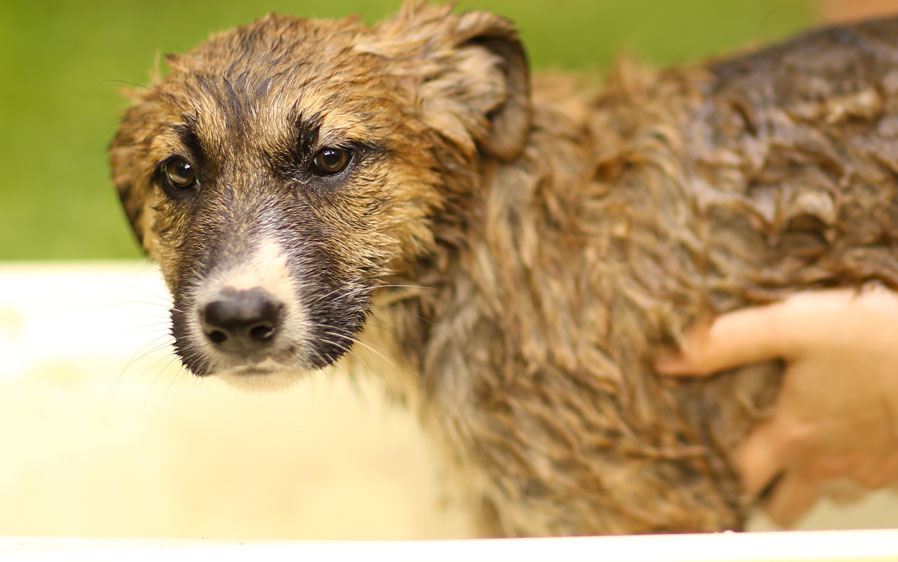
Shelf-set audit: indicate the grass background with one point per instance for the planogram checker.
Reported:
(62, 64)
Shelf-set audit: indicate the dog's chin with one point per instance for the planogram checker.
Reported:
(267, 376)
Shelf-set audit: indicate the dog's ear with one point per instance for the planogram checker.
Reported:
(472, 76)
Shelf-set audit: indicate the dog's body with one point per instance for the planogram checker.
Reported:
(524, 256)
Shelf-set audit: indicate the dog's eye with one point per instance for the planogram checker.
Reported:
(330, 161)
(178, 174)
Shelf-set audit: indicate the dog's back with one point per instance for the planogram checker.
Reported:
(688, 193)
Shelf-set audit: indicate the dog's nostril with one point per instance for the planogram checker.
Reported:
(217, 336)
(241, 320)
(262, 332)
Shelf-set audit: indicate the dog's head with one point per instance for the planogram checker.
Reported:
(280, 172)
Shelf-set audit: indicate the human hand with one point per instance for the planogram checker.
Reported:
(837, 412)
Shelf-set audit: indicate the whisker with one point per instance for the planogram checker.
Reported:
(158, 305)
(152, 89)
(357, 341)
(159, 374)
(343, 347)
(174, 377)
(421, 287)
(128, 83)
(153, 345)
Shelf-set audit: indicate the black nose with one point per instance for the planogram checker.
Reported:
(242, 321)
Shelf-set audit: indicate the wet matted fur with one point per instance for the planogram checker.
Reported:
(523, 248)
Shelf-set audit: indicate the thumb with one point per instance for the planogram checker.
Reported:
(792, 497)
(765, 453)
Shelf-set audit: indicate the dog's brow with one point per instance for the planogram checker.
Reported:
(188, 136)
(307, 132)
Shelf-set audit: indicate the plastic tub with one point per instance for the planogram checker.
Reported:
(106, 436)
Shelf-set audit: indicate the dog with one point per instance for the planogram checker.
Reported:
(518, 248)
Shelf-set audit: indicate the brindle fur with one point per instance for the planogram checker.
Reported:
(532, 251)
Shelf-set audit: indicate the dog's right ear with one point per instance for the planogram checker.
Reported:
(471, 72)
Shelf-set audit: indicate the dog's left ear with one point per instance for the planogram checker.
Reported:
(472, 75)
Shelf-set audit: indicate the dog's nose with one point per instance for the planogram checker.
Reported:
(241, 321)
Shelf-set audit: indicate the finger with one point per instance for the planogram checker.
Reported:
(736, 338)
(780, 330)
(844, 491)
(792, 497)
(880, 474)
(765, 453)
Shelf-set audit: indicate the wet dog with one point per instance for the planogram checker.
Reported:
(521, 248)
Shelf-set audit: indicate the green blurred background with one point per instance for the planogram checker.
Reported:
(63, 63)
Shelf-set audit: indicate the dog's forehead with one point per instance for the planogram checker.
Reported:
(274, 74)
(279, 45)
